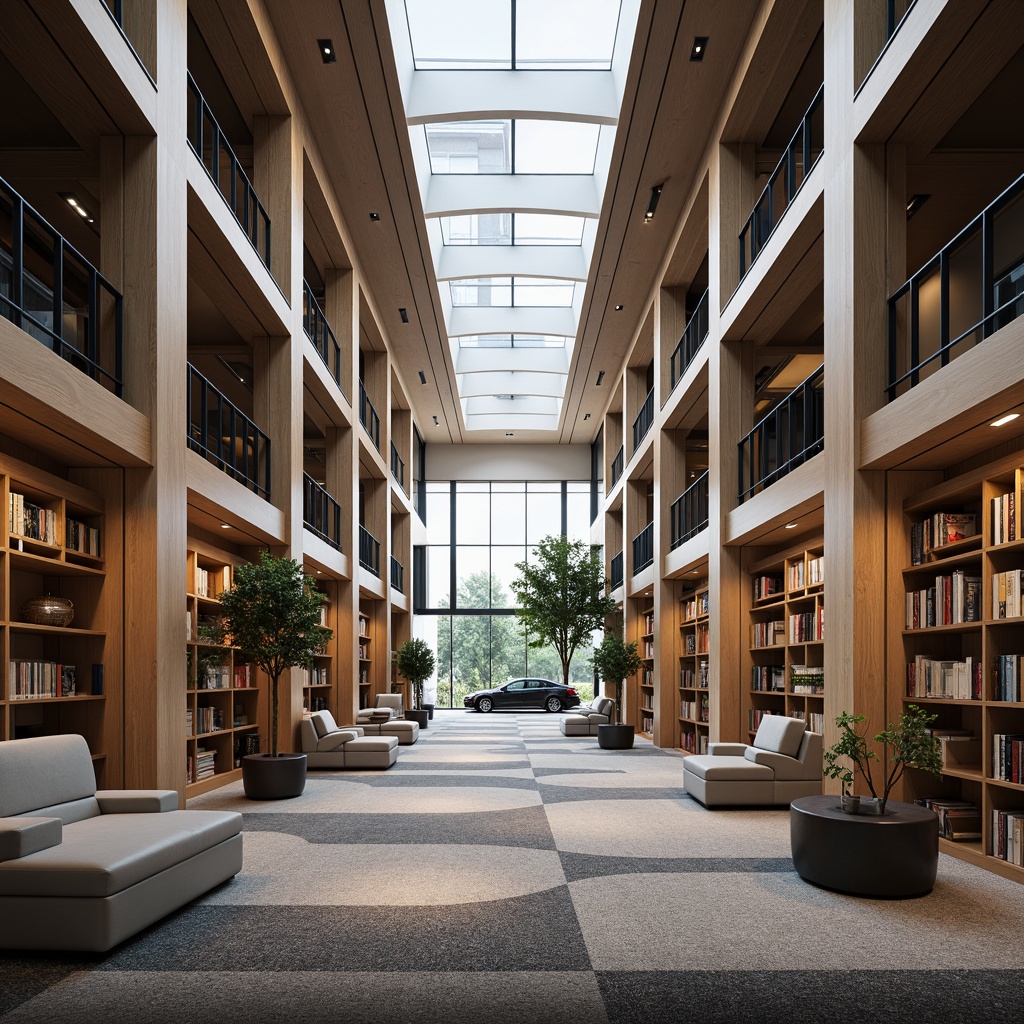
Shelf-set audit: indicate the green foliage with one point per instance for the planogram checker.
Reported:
(272, 615)
(616, 660)
(415, 661)
(906, 744)
(561, 596)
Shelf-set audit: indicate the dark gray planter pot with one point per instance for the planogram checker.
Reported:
(418, 716)
(429, 708)
(265, 777)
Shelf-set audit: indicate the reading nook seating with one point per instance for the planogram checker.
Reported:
(328, 746)
(782, 764)
(386, 718)
(584, 720)
(84, 869)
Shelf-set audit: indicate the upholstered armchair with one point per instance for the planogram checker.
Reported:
(391, 702)
(584, 720)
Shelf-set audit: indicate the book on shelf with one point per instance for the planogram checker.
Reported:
(648, 622)
(807, 679)
(1008, 836)
(1007, 674)
(952, 680)
(768, 634)
(807, 627)
(955, 599)
(81, 537)
(937, 531)
(34, 522)
(647, 723)
(1006, 757)
(765, 587)
(364, 626)
(212, 582)
(1004, 526)
(703, 674)
(28, 679)
(209, 719)
(242, 676)
(768, 678)
(214, 677)
(703, 636)
(690, 643)
(67, 681)
(205, 763)
(816, 721)
(648, 649)
(959, 820)
(1007, 590)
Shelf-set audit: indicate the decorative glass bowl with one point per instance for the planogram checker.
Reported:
(48, 611)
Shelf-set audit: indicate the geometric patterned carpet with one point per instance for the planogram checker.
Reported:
(501, 872)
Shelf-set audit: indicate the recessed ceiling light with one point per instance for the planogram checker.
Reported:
(509, 435)
(434, 418)
(404, 314)
(1009, 417)
(700, 45)
(600, 377)
(76, 204)
(618, 309)
(327, 52)
(225, 526)
(916, 201)
(423, 377)
(586, 416)
(792, 526)
(374, 216)
(652, 203)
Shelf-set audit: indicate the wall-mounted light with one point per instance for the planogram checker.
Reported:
(652, 203)
(618, 309)
(792, 526)
(423, 377)
(699, 48)
(509, 435)
(404, 314)
(916, 201)
(434, 418)
(1008, 418)
(225, 526)
(586, 416)
(600, 377)
(76, 204)
(374, 216)
(327, 51)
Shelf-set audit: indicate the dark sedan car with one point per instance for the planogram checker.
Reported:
(524, 693)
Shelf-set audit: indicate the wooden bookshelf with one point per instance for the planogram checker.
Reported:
(318, 689)
(694, 669)
(645, 702)
(365, 654)
(222, 693)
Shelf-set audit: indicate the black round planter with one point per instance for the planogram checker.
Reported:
(615, 737)
(420, 717)
(265, 777)
(429, 708)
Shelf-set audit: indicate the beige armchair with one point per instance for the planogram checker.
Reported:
(391, 702)
(584, 720)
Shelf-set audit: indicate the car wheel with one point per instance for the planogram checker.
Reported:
(553, 704)
(484, 704)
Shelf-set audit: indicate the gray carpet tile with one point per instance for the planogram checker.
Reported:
(812, 997)
(459, 766)
(570, 794)
(521, 827)
(587, 865)
(540, 773)
(393, 780)
(24, 975)
(538, 932)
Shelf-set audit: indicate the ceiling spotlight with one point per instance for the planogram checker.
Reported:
(1008, 418)
(75, 203)
(404, 314)
(600, 377)
(792, 526)
(700, 45)
(586, 416)
(618, 309)
(916, 201)
(434, 418)
(225, 526)
(374, 216)
(423, 377)
(652, 203)
(509, 435)
(327, 51)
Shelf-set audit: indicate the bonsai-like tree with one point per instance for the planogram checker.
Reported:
(906, 743)
(272, 615)
(415, 661)
(562, 598)
(616, 660)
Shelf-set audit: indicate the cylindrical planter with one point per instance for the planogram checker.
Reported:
(265, 777)
(418, 716)
(429, 708)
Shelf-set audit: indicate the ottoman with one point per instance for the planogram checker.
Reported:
(371, 752)
(407, 733)
(727, 779)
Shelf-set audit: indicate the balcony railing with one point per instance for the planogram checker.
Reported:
(960, 296)
(368, 416)
(318, 330)
(618, 465)
(643, 548)
(617, 573)
(321, 514)
(397, 575)
(225, 436)
(116, 9)
(369, 551)
(789, 435)
(397, 467)
(694, 335)
(217, 156)
(689, 511)
(52, 292)
(644, 420)
(784, 182)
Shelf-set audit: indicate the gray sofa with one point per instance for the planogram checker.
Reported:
(782, 764)
(328, 746)
(387, 718)
(82, 869)
(584, 720)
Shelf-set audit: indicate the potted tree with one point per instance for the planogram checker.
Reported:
(415, 661)
(616, 660)
(272, 615)
(906, 743)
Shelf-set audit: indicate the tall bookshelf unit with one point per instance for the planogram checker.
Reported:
(967, 669)
(58, 678)
(365, 654)
(318, 690)
(785, 654)
(222, 694)
(646, 705)
(694, 669)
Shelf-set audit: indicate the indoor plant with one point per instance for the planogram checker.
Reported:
(271, 614)
(415, 660)
(906, 744)
(616, 660)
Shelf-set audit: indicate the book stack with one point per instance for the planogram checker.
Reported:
(209, 719)
(807, 627)
(215, 677)
(954, 680)
(1007, 591)
(81, 537)
(959, 820)
(807, 679)
(30, 520)
(204, 763)
(1007, 674)
(1006, 757)
(941, 529)
(958, 748)
(243, 677)
(767, 634)
(188, 722)
(1004, 527)
(953, 600)
(765, 587)
(34, 679)
(768, 678)
(1008, 836)
(816, 722)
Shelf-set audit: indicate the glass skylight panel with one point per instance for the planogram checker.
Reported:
(470, 147)
(568, 35)
(555, 147)
(460, 34)
(522, 146)
(478, 229)
(540, 291)
(482, 291)
(485, 341)
(512, 291)
(553, 341)
(512, 229)
(548, 229)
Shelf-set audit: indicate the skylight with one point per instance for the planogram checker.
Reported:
(512, 229)
(512, 291)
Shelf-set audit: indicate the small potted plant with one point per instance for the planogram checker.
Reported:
(272, 615)
(907, 744)
(615, 660)
(415, 660)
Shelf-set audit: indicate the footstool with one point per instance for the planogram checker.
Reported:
(727, 779)
(407, 733)
(371, 752)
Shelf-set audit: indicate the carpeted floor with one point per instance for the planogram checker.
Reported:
(501, 872)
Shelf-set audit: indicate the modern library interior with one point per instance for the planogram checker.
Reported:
(268, 271)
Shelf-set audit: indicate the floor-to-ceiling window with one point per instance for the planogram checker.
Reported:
(476, 533)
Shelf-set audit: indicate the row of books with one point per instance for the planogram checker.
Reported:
(212, 582)
(647, 724)
(815, 720)
(690, 680)
(768, 634)
(1007, 674)
(954, 599)
(1006, 757)
(807, 627)
(807, 679)
(316, 676)
(364, 651)
(248, 743)
(81, 537)
(364, 626)
(959, 820)
(648, 622)
(809, 573)
(765, 587)
(33, 679)
(1008, 836)
(648, 649)
(316, 704)
(209, 719)
(205, 763)
(695, 607)
(953, 680)
(1008, 594)
(694, 742)
(647, 701)
(1004, 526)
(940, 529)
(32, 521)
(768, 678)
(697, 642)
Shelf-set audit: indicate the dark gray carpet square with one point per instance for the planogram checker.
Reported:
(459, 766)
(393, 781)
(568, 794)
(589, 865)
(540, 773)
(24, 975)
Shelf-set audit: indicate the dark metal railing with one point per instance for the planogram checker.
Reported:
(689, 511)
(694, 335)
(644, 420)
(320, 512)
(397, 467)
(895, 12)
(618, 465)
(643, 548)
(318, 330)
(792, 170)
(52, 292)
(116, 9)
(397, 575)
(617, 573)
(225, 436)
(216, 155)
(986, 298)
(791, 433)
(368, 416)
(369, 551)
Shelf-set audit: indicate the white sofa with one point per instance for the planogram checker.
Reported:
(326, 745)
(82, 869)
(584, 720)
(783, 763)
